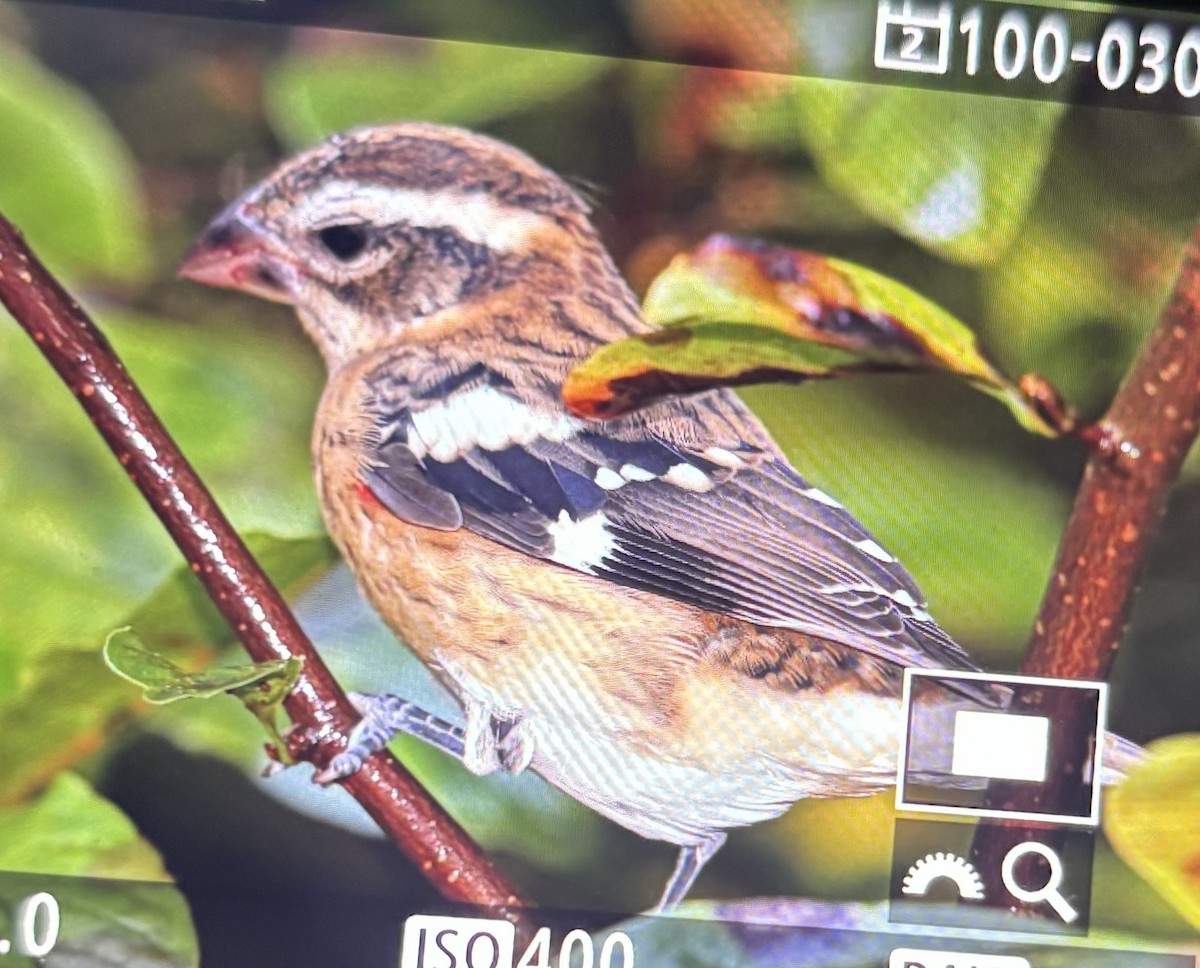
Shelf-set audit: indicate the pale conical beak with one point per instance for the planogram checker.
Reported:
(234, 253)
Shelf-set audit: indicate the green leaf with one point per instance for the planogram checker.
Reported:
(67, 180)
(739, 311)
(70, 830)
(116, 905)
(68, 704)
(956, 175)
(81, 547)
(311, 95)
(162, 681)
(691, 357)
(1150, 819)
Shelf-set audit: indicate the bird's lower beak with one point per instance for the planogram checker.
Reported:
(234, 253)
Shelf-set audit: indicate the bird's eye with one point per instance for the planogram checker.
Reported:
(344, 242)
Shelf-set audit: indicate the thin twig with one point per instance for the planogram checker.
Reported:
(1144, 438)
(439, 847)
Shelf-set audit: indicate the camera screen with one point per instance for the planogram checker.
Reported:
(720, 471)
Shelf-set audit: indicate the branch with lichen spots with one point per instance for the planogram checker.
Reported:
(1140, 446)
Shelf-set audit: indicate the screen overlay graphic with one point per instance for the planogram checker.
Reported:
(734, 456)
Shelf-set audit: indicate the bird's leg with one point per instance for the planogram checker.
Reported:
(488, 743)
(481, 754)
(382, 718)
(691, 860)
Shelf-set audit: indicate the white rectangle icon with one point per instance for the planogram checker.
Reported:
(919, 958)
(1000, 746)
(431, 941)
(903, 803)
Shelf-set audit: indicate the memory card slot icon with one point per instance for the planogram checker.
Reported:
(913, 38)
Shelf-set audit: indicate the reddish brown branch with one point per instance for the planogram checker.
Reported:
(442, 850)
(1145, 436)
(1149, 430)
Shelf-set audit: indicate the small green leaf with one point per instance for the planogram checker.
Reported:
(163, 681)
(66, 703)
(1150, 819)
(264, 697)
(312, 95)
(739, 311)
(71, 830)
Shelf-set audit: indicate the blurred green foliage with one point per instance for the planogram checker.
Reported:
(68, 174)
(1053, 232)
(312, 94)
(68, 836)
(955, 175)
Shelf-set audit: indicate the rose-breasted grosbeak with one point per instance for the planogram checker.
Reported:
(657, 614)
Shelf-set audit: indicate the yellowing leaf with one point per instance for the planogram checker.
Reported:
(1150, 819)
(741, 311)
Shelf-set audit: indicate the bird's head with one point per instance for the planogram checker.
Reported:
(383, 228)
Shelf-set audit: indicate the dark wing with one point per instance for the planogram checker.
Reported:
(681, 504)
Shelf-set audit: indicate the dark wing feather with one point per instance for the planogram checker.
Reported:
(687, 507)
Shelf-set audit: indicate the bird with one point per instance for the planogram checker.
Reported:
(656, 613)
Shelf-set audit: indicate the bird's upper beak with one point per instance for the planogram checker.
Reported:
(236, 253)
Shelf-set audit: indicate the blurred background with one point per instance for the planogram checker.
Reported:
(1053, 231)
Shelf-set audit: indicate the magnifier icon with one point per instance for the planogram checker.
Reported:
(1049, 892)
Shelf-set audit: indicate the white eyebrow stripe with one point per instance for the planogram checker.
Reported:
(475, 216)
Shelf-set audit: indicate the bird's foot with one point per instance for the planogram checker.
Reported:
(514, 744)
(495, 742)
(384, 717)
(691, 861)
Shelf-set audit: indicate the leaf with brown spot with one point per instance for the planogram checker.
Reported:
(755, 312)
(632, 373)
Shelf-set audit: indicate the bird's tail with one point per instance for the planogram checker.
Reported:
(1120, 756)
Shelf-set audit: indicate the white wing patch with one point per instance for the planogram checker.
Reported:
(689, 477)
(609, 479)
(483, 417)
(724, 458)
(583, 544)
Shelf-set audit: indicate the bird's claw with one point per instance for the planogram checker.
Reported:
(340, 767)
(384, 717)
